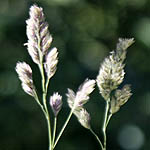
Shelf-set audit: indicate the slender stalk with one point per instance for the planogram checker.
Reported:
(109, 117)
(37, 100)
(63, 128)
(48, 117)
(97, 138)
(46, 85)
(105, 123)
(44, 88)
(49, 133)
(45, 106)
(54, 130)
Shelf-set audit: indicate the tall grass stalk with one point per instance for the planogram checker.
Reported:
(110, 76)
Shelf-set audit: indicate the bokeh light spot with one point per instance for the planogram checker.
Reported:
(142, 31)
(131, 137)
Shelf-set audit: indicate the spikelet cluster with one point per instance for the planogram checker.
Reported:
(83, 117)
(39, 42)
(51, 62)
(25, 75)
(56, 103)
(39, 38)
(120, 98)
(111, 75)
(76, 102)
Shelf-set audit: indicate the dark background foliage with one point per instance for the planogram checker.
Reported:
(84, 31)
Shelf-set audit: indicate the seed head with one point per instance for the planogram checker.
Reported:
(111, 73)
(71, 98)
(121, 48)
(25, 75)
(51, 62)
(75, 101)
(39, 39)
(120, 98)
(56, 103)
(83, 117)
(123, 44)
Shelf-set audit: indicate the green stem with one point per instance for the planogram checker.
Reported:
(49, 132)
(45, 106)
(47, 83)
(63, 128)
(97, 138)
(45, 113)
(105, 123)
(37, 100)
(109, 117)
(44, 88)
(54, 130)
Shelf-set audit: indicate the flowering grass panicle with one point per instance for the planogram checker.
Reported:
(111, 75)
(76, 102)
(39, 39)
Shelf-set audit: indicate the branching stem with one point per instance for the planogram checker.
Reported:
(99, 141)
(63, 128)
(44, 93)
(105, 123)
(54, 131)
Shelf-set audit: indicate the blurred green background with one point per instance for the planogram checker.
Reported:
(84, 31)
